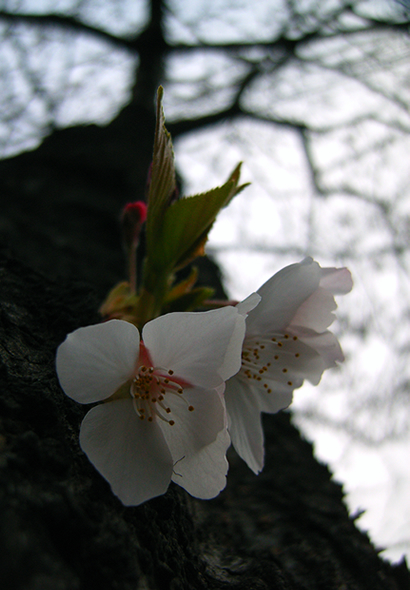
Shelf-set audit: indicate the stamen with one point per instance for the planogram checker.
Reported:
(258, 358)
(149, 388)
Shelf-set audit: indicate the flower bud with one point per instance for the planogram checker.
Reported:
(132, 218)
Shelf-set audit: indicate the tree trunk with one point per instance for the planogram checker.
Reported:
(61, 528)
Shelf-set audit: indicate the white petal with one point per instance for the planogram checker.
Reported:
(337, 280)
(232, 359)
(244, 422)
(281, 296)
(192, 430)
(131, 454)
(272, 403)
(296, 361)
(203, 474)
(197, 346)
(93, 362)
(245, 306)
(316, 312)
(327, 346)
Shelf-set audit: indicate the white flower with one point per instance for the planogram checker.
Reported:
(164, 418)
(286, 342)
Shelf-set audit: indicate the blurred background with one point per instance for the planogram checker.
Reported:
(314, 98)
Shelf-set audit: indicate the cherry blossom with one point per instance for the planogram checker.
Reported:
(286, 342)
(163, 416)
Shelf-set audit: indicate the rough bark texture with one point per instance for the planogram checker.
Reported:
(60, 526)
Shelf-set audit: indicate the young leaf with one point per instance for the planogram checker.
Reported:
(184, 286)
(187, 223)
(162, 184)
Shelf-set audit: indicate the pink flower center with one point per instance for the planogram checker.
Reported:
(152, 388)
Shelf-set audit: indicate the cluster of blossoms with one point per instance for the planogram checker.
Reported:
(195, 381)
(174, 388)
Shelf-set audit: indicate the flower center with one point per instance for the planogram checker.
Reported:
(270, 359)
(152, 389)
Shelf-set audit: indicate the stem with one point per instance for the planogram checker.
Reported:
(132, 267)
(153, 292)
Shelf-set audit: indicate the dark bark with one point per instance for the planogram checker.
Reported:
(60, 525)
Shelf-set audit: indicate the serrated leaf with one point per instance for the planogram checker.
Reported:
(187, 223)
(186, 220)
(162, 183)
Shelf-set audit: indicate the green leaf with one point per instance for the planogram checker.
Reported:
(184, 286)
(189, 301)
(162, 184)
(187, 223)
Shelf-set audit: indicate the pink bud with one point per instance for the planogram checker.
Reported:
(136, 212)
(133, 217)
